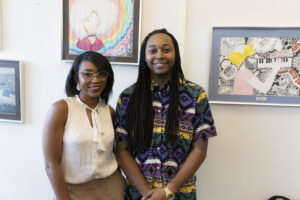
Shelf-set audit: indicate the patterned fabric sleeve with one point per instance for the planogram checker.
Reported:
(204, 127)
(120, 121)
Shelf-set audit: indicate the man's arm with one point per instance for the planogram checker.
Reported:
(193, 161)
(130, 168)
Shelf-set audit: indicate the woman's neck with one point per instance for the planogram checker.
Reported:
(91, 102)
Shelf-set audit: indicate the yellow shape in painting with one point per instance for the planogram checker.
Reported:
(238, 58)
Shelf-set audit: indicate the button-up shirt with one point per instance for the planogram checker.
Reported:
(160, 163)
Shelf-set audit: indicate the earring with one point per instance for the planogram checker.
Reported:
(78, 87)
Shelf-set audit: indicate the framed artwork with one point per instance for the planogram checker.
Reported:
(10, 91)
(109, 27)
(255, 65)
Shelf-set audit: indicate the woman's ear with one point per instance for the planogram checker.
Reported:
(77, 82)
(75, 77)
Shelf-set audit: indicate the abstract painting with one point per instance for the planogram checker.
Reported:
(256, 66)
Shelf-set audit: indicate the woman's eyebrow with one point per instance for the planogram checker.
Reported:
(88, 70)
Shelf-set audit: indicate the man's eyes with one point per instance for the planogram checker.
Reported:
(151, 50)
(165, 50)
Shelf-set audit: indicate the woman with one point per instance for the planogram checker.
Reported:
(163, 123)
(78, 135)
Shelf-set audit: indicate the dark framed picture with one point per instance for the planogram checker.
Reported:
(109, 27)
(255, 65)
(10, 91)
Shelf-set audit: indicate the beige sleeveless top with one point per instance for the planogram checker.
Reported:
(87, 150)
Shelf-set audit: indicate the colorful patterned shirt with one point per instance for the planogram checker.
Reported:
(160, 163)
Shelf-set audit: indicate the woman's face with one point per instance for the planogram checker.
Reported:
(91, 81)
(160, 56)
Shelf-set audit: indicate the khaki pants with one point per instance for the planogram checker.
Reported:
(110, 188)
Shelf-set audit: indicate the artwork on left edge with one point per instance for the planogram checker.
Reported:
(255, 66)
(11, 91)
(109, 27)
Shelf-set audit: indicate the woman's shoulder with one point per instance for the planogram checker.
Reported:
(58, 112)
(111, 110)
(60, 105)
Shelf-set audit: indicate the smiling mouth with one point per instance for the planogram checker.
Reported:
(94, 87)
(159, 64)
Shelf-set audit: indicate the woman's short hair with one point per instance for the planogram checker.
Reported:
(100, 62)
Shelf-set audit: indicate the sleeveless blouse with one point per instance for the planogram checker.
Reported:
(87, 149)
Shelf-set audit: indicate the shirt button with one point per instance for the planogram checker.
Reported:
(158, 148)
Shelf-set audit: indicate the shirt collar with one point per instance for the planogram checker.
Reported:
(155, 87)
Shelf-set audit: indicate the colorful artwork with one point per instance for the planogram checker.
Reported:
(259, 66)
(109, 27)
(255, 66)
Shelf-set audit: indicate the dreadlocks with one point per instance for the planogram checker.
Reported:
(140, 111)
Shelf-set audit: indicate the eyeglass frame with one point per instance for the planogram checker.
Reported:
(92, 75)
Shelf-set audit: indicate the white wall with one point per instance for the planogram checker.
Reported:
(255, 154)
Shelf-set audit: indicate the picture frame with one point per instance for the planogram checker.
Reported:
(255, 66)
(11, 91)
(109, 27)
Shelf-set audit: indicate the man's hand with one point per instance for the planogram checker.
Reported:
(155, 194)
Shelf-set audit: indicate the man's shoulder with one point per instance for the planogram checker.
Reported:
(128, 91)
(190, 87)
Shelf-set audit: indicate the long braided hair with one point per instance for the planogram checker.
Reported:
(140, 111)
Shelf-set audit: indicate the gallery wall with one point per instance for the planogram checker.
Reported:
(255, 154)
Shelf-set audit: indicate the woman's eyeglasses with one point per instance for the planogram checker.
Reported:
(89, 75)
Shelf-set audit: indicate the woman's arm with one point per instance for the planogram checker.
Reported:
(193, 161)
(130, 168)
(52, 147)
